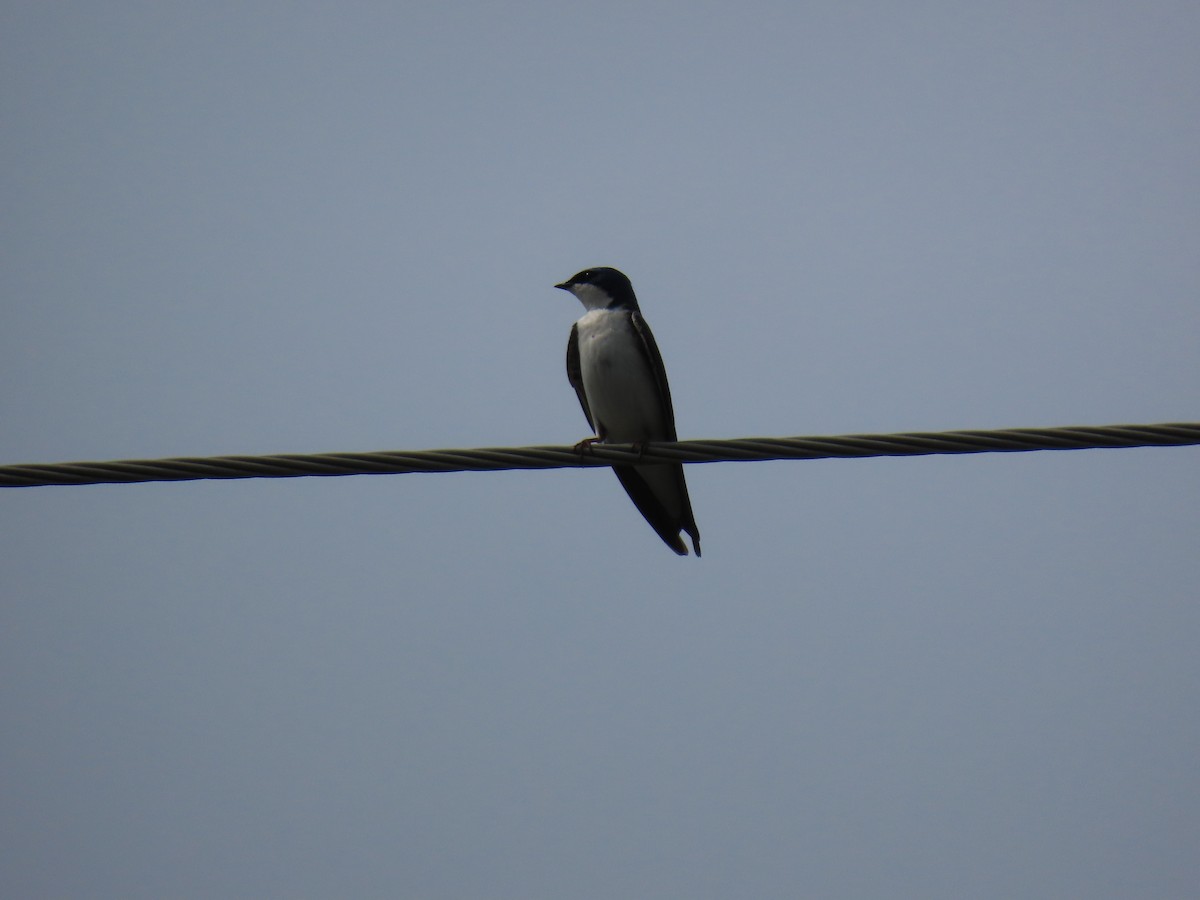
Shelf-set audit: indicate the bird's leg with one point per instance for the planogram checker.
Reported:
(586, 444)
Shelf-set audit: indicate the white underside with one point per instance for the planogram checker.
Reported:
(622, 393)
(621, 389)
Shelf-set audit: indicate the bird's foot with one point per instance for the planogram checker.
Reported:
(585, 445)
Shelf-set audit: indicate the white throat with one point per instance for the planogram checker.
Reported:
(591, 296)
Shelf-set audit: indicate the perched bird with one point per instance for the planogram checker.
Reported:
(615, 367)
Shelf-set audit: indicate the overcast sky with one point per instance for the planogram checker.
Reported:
(237, 228)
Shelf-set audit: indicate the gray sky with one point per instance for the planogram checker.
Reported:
(307, 227)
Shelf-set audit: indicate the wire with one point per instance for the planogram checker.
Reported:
(396, 462)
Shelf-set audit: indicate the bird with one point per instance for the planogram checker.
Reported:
(616, 369)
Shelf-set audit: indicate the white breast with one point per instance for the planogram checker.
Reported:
(620, 386)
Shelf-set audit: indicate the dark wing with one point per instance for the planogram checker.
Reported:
(639, 491)
(575, 373)
(654, 359)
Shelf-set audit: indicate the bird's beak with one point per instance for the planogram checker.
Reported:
(563, 287)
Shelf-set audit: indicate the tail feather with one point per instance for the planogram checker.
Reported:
(666, 525)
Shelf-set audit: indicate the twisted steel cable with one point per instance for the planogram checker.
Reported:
(491, 459)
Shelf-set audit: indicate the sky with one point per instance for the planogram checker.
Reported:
(238, 228)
